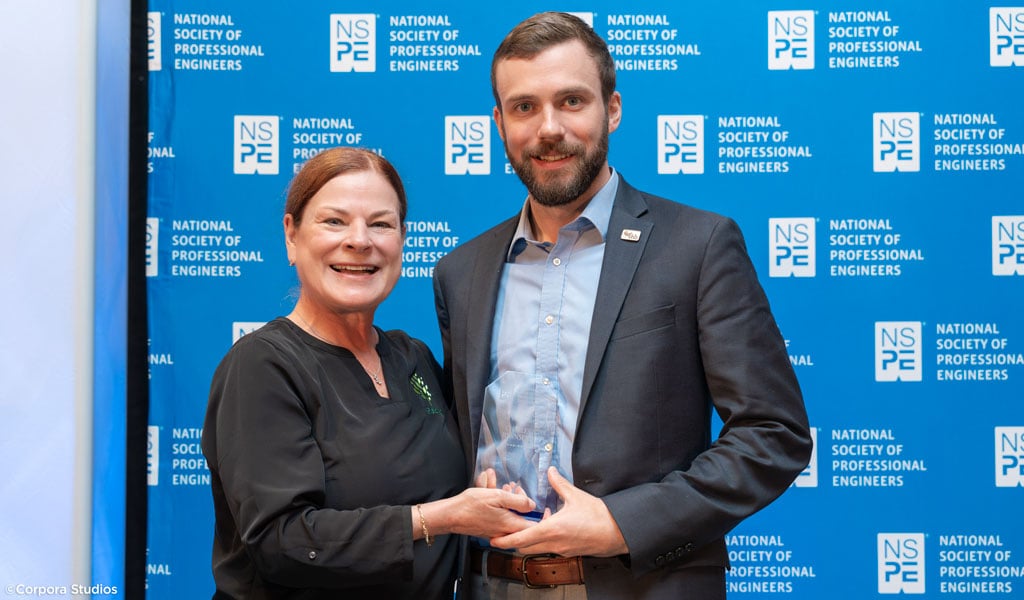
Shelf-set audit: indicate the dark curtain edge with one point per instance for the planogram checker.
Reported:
(137, 376)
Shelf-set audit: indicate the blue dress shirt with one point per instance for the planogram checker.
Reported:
(538, 349)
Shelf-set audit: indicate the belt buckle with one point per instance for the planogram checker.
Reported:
(526, 576)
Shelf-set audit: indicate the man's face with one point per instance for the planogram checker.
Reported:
(555, 124)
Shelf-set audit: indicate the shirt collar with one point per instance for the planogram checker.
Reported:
(596, 214)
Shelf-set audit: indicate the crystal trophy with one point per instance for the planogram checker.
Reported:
(509, 437)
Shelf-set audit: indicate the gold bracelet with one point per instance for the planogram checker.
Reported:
(423, 526)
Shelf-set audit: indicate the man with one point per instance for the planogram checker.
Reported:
(629, 317)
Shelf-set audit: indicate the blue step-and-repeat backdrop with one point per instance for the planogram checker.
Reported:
(871, 151)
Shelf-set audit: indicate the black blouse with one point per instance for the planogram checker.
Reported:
(313, 472)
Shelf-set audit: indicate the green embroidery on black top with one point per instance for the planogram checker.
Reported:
(420, 387)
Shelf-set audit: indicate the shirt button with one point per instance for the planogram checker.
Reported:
(546, 381)
(312, 554)
(556, 261)
(548, 447)
(549, 319)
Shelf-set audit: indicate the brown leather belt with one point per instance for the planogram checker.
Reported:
(533, 571)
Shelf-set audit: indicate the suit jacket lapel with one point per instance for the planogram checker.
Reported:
(621, 258)
(480, 320)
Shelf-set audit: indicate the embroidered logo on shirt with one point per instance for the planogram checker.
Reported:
(420, 387)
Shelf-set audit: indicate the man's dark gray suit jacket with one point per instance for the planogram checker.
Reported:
(681, 326)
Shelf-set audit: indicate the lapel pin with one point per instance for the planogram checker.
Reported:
(631, 235)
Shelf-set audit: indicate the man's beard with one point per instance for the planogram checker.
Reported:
(562, 192)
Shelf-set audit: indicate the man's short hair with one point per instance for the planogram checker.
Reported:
(544, 30)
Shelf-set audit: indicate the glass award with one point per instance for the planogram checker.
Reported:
(509, 439)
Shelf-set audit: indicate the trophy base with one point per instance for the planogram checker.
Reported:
(533, 515)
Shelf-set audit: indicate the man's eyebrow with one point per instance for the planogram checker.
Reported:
(569, 91)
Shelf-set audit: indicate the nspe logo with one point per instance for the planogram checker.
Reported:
(897, 142)
(586, 17)
(256, 143)
(1006, 37)
(1008, 245)
(153, 37)
(901, 563)
(791, 247)
(898, 351)
(680, 144)
(353, 43)
(240, 328)
(809, 476)
(152, 455)
(467, 145)
(152, 246)
(790, 39)
(1009, 456)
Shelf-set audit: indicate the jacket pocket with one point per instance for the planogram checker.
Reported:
(664, 316)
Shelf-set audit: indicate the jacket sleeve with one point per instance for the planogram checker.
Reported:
(765, 440)
(260, 445)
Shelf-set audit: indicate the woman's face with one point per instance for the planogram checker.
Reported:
(348, 248)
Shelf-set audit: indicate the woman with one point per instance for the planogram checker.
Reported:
(335, 462)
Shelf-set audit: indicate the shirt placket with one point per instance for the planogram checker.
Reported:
(548, 390)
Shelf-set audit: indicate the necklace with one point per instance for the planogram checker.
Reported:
(374, 375)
